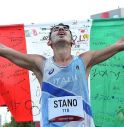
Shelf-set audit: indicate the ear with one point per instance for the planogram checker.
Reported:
(73, 42)
(49, 43)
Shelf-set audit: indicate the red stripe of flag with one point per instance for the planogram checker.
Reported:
(14, 81)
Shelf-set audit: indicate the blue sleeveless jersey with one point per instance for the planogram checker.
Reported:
(60, 81)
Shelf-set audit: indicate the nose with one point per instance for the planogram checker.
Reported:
(61, 29)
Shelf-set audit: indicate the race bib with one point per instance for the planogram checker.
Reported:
(68, 108)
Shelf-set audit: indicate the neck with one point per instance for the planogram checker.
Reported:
(62, 55)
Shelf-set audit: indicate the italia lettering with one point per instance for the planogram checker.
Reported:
(65, 103)
(66, 79)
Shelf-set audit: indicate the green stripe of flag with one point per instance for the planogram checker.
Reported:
(107, 78)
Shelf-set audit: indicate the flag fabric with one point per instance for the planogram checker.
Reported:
(20, 89)
(2, 103)
(14, 81)
(107, 78)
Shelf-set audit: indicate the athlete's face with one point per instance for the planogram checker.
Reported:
(60, 34)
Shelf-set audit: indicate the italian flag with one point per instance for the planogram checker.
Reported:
(20, 90)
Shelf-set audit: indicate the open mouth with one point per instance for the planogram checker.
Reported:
(61, 34)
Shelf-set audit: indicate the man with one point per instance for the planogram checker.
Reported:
(65, 98)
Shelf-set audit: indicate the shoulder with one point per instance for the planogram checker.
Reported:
(87, 58)
(38, 60)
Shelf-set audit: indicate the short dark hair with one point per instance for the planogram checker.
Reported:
(60, 24)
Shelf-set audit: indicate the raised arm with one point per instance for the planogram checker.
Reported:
(94, 57)
(27, 61)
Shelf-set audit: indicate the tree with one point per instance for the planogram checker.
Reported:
(13, 123)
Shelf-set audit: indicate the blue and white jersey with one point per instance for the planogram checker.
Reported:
(65, 97)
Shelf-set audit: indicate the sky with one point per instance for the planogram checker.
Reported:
(47, 11)
(50, 11)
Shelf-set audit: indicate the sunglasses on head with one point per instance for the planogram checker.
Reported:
(57, 27)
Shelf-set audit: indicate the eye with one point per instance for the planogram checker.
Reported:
(55, 29)
(66, 28)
